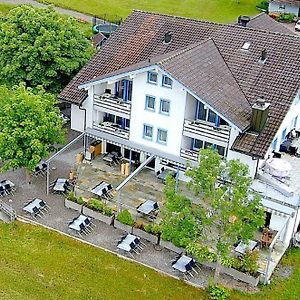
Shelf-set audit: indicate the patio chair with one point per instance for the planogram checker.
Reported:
(37, 212)
(82, 228)
(89, 224)
(8, 189)
(44, 205)
(2, 191)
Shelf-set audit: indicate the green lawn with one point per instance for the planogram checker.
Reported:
(213, 10)
(36, 263)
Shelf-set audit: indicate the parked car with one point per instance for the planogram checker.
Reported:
(297, 25)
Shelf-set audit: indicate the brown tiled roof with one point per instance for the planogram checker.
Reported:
(265, 22)
(141, 36)
(203, 71)
(98, 38)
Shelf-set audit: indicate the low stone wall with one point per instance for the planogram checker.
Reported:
(237, 275)
(170, 246)
(145, 235)
(123, 227)
(73, 205)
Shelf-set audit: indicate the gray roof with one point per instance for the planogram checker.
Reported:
(140, 37)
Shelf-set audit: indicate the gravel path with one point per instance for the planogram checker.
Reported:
(69, 12)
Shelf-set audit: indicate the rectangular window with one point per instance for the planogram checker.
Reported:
(164, 107)
(148, 132)
(221, 150)
(295, 122)
(207, 145)
(162, 136)
(211, 116)
(166, 81)
(197, 144)
(127, 123)
(201, 111)
(283, 135)
(152, 77)
(150, 103)
(274, 144)
(109, 118)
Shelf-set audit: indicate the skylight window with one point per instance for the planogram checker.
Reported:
(246, 46)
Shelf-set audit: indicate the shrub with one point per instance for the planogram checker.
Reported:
(125, 217)
(203, 254)
(263, 5)
(289, 18)
(217, 292)
(247, 263)
(96, 205)
(140, 225)
(80, 200)
(152, 228)
(71, 196)
(107, 211)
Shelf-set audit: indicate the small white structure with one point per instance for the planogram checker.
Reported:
(285, 6)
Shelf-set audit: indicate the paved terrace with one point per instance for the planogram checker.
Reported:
(104, 235)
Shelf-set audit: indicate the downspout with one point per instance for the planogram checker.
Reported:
(84, 126)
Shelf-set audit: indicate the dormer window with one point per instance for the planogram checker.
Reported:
(246, 46)
(166, 81)
(152, 77)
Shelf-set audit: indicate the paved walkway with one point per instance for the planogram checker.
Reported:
(69, 12)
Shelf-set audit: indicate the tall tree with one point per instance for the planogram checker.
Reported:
(229, 210)
(41, 47)
(30, 125)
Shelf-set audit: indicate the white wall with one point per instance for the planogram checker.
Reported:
(77, 118)
(274, 7)
(173, 122)
(287, 123)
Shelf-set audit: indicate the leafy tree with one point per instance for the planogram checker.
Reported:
(229, 211)
(178, 225)
(29, 126)
(41, 47)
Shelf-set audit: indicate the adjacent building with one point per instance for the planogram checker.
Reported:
(285, 6)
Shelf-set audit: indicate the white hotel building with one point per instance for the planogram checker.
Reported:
(168, 86)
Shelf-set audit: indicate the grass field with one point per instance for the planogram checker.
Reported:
(213, 10)
(36, 263)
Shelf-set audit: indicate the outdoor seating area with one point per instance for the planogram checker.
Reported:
(186, 266)
(40, 169)
(163, 172)
(112, 158)
(61, 186)
(291, 144)
(6, 188)
(149, 209)
(131, 244)
(242, 248)
(36, 207)
(103, 190)
(81, 225)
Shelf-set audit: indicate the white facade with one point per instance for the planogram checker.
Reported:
(277, 7)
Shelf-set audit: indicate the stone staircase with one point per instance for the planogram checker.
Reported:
(7, 213)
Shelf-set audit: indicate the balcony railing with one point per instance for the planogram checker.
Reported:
(112, 105)
(113, 129)
(189, 154)
(201, 130)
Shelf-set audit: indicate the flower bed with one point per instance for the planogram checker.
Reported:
(97, 215)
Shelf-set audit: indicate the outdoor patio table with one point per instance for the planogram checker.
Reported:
(75, 224)
(128, 243)
(184, 263)
(60, 185)
(162, 176)
(147, 207)
(6, 181)
(98, 189)
(34, 203)
(242, 248)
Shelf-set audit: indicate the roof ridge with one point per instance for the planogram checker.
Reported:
(183, 50)
(217, 23)
(231, 72)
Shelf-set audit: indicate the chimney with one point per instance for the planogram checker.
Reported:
(243, 20)
(260, 112)
(168, 38)
(263, 56)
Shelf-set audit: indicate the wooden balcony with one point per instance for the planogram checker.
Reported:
(112, 105)
(113, 129)
(204, 131)
(189, 154)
